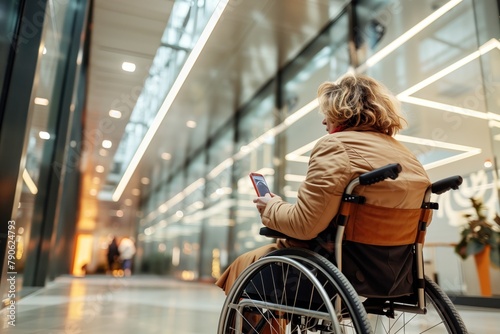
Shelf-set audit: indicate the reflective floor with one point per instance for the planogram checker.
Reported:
(144, 304)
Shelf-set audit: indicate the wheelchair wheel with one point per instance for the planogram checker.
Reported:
(441, 316)
(292, 291)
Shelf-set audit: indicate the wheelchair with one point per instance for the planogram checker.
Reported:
(298, 290)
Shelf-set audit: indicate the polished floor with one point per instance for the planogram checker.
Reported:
(144, 304)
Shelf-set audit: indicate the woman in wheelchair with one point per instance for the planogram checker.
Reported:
(361, 117)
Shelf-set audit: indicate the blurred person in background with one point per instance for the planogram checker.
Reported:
(113, 256)
(127, 252)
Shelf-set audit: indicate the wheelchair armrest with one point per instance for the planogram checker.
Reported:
(442, 186)
(380, 174)
(270, 233)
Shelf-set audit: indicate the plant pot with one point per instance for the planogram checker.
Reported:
(483, 270)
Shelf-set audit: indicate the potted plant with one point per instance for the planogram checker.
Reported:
(481, 239)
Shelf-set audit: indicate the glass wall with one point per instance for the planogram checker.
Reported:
(439, 58)
(326, 59)
(47, 83)
(8, 23)
(434, 58)
(255, 149)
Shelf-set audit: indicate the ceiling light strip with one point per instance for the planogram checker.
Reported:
(296, 155)
(486, 47)
(301, 113)
(295, 178)
(287, 122)
(177, 198)
(220, 168)
(29, 182)
(444, 107)
(384, 52)
(169, 99)
(434, 143)
(454, 158)
(433, 78)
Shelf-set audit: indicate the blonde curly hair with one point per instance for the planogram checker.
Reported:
(358, 101)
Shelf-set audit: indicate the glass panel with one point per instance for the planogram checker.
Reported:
(44, 108)
(301, 81)
(255, 153)
(219, 203)
(10, 17)
(431, 56)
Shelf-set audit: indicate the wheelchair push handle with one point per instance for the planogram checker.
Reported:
(442, 186)
(380, 174)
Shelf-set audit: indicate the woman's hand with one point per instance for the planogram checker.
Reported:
(261, 202)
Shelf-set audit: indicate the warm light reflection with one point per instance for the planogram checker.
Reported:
(216, 272)
(176, 256)
(83, 253)
(188, 275)
(77, 292)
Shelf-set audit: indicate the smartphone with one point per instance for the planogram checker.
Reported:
(260, 184)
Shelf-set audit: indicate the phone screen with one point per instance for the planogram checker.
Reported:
(260, 184)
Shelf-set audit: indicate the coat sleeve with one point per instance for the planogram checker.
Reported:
(319, 196)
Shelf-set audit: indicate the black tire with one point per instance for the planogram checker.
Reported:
(292, 289)
(353, 318)
(441, 316)
(441, 301)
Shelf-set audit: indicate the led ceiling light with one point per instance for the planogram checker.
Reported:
(169, 99)
(107, 143)
(41, 101)
(128, 67)
(44, 135)
(115, 113)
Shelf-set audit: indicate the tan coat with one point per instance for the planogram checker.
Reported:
(335, 160)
